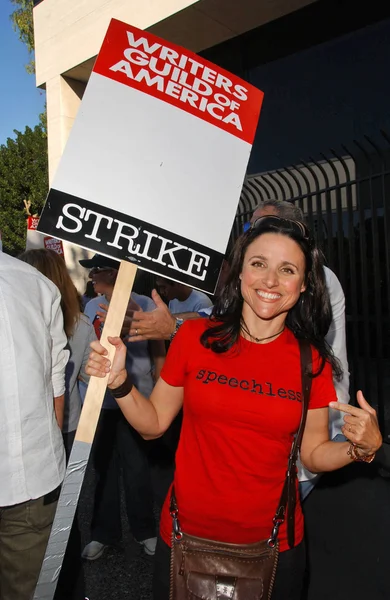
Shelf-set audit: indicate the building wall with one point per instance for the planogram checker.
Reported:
(322, 98)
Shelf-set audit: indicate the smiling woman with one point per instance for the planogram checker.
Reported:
(239, 377)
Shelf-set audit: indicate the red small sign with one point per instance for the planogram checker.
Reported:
(53, 244)
(32, 223)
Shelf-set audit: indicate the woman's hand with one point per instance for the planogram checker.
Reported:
(360, 425)
(98, 365)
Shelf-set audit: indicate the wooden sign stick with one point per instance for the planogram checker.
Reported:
(81, 450)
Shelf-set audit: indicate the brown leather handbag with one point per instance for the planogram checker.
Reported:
(209, 570)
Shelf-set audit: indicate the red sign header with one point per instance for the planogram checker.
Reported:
(183, 79)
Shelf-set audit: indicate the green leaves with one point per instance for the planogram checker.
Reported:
(22, 20)
(23, 176)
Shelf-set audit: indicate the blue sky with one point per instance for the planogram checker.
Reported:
(20, 101)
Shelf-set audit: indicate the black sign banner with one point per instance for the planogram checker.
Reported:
(120, 236)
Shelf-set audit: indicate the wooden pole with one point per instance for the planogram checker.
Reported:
(85, 434)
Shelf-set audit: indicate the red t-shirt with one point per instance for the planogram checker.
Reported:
(241, 411)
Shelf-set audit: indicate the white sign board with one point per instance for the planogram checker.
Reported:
(155, 162)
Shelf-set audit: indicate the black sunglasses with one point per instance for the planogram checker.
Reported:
(100, 269)
(299, 228)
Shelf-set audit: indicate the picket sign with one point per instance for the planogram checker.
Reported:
(85, 433)
(151, 175)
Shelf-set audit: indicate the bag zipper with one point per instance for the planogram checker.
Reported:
(171, 567)
(271, 587)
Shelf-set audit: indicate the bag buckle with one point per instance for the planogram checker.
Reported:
(177, 532)
(278, 520)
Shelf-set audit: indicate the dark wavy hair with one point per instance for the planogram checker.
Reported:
(308, 319)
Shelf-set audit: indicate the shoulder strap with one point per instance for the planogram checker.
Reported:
(288, 498)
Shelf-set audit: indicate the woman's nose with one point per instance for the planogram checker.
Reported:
(270, 278)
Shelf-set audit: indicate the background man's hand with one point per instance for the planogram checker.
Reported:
(131, 307)
(158, 324)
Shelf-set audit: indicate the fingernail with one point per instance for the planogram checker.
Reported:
(332, 403)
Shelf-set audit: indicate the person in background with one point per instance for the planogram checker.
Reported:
(80, 334)
(32, 456)
(88, 294)
(335, 337)
(116, 443)
(182, 298)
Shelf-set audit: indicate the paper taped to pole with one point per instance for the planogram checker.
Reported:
(154, 165)
(151, 175)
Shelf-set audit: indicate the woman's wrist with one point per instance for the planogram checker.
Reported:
(124, 389)
(361, 455)
(118, 381)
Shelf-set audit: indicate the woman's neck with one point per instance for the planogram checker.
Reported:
(260, 330)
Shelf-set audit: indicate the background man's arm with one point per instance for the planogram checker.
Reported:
(336, 338)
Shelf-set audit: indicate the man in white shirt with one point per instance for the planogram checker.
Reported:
(32, 456)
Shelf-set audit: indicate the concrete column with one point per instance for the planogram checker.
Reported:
(63, 97)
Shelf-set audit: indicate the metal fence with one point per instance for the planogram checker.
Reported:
(345, 197)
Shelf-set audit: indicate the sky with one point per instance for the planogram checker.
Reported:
(20, 101)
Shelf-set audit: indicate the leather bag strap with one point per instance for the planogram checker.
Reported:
(287, 502)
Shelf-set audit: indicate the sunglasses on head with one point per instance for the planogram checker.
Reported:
(299, 228)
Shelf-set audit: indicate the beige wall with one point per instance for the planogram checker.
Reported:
(68, 32)
(63, 100)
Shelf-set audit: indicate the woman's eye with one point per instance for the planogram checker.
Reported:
(288, 270)
(258, 264)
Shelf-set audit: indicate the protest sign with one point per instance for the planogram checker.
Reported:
(151, 175)
(35, 239)
(154, 165)
(53, 244)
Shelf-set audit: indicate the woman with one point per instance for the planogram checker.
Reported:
(239, 378)
(80, 334)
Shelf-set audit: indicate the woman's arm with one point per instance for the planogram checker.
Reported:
(151, 418)
(318, 454)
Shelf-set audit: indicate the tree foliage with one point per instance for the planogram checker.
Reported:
(23, 176)
(22, 20)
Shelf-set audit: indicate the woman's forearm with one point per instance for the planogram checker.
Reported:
(328, 456)
(141, 414)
